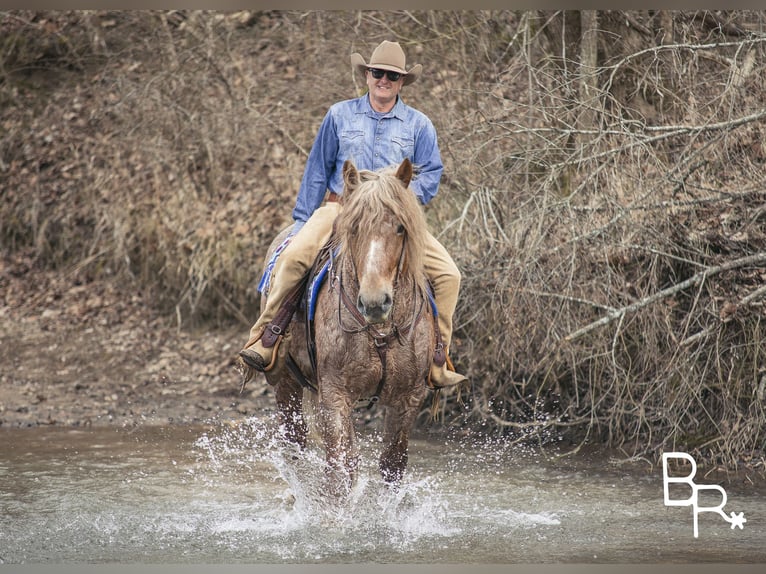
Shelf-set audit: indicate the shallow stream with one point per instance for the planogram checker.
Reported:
(231, 494)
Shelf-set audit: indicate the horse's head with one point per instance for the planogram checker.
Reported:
(382, 230)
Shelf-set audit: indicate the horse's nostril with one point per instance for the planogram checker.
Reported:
(387, 301)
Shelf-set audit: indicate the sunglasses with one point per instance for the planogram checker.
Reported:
(378, 74)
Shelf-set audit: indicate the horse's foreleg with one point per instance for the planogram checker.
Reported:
(289, 397)
(338, 435)
(393, 460)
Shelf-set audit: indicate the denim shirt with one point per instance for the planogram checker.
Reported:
(351, 129)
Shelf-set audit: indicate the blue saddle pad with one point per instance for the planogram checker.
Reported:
(313, 287)
(265, 283)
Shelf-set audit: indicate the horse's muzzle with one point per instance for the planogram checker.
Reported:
(375, 310)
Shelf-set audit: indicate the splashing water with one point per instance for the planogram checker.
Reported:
(374, 513)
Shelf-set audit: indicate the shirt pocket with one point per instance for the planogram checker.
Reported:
(403, 146)
(352, 145)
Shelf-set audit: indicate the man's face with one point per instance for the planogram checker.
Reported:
(383, 91)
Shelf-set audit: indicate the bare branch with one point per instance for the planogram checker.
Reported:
(750, 298)
(694, 280)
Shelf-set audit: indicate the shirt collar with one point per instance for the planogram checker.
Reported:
(396, 112)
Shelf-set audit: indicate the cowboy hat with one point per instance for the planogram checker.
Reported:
(387, 56)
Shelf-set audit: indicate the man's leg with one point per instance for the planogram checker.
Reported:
(445, 280)
(291, 266)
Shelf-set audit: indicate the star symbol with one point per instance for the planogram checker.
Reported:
(738, 520)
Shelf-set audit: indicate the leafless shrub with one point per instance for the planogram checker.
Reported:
(613, 275)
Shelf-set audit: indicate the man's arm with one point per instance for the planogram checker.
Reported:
(427, 160)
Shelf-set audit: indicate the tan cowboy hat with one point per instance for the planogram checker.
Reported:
(387, 56)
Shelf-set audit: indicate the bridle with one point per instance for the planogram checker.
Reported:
(381, 340)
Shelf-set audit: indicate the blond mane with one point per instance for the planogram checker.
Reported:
(379, 193)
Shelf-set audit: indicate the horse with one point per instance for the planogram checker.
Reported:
(373, 328)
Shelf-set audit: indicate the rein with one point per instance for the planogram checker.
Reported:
(381, 340)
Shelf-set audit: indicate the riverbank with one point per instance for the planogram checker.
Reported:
(77, 355)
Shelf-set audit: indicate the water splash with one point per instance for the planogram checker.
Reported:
(374, 514)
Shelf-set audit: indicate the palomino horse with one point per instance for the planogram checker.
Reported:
(373, 327)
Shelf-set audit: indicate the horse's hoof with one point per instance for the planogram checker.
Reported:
(289, 501)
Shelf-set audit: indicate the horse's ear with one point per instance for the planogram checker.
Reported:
(350, 175)
(404, 172)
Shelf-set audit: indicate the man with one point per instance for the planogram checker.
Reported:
(374, 131)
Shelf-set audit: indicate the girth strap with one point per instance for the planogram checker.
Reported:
(325, 253)
(440, 353)
(298, 374)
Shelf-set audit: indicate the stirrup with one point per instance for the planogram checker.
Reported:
(255, 360)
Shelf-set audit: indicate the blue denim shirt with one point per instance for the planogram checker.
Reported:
(351, 129)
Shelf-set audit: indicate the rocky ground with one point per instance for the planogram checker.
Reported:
(79, 355)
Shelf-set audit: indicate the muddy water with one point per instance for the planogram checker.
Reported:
(224, 494)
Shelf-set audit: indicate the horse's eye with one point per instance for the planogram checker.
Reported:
(400, 229)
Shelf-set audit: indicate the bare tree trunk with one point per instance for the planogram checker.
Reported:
(588, 90)
(666, 26)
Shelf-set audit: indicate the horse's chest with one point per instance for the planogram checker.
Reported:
(360, 363)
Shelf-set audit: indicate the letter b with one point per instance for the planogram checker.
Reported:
(666, 480)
